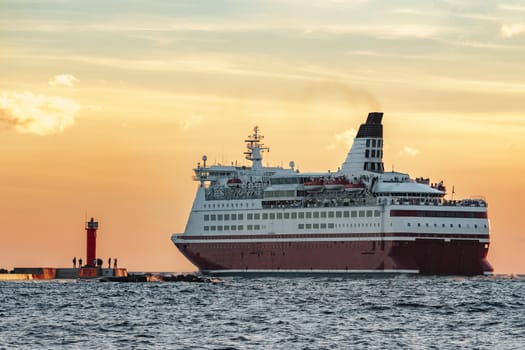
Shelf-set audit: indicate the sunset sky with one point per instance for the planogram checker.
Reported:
(106, 106)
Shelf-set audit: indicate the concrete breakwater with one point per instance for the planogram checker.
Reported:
(51, 273)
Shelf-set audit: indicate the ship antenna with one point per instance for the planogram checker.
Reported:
(255, 148)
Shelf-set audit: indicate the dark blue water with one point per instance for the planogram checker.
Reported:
(267, 313)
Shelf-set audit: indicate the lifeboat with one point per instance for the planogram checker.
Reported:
(349, 187)
(314, 185)
(337, 184)
(234, 182)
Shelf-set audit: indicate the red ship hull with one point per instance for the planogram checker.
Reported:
(410, 255)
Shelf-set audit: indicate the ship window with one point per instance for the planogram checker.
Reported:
(331, 225)
(308, 214)
(323, 214)
(249, 216)
(408, 224)
(294, 215)
(418, 224)
(249, 227)
(213, 217)
(301, 226)
(443, 225)
(338, 214)
(459, 225)
(286, 215)
(316, 226)
(234, 216)
(485, 226)
(308, 226)
(379, 143)
(213, 228)
(323, 225)
(369, 213)
(206, 228)
(272, 216)
(373, 153)
(219, 228)
(226, 217)
(367, 153)
(265, 216)
(219, 217)
(373, 143)
(279, 216)
(361, 213)
(426, 224)
(257, 216)
(451, 225)
(316, 214)
(206, 217)
(233, 227)
(257, 227)
(476, 226)
(346, 214)
(354, 214)
(377, 213)
(301, 215)
(330, 214)
(240, 216)
(240, 227)
(226, 228)
(368, 143)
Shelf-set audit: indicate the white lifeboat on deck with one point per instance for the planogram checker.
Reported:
(353, 188)
(336, 184)
(234, 182)
(314, 185)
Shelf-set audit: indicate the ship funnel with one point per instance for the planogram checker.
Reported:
(366, 154)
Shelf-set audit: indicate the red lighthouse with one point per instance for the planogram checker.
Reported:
(91, 242)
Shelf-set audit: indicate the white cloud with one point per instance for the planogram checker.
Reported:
(66, 80)
(28, 113)
(510, 30)
(346, 138)
(511, 7)
(393, 31)
(190, 122)
(409, 151)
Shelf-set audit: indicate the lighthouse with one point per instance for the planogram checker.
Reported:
(91, 242)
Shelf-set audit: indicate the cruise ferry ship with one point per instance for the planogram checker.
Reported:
(360, 219)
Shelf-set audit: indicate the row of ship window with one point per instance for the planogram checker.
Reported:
(443, 225)
(293, 215)
(299, 226)
(227, 205)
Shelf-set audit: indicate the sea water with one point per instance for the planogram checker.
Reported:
(393, 312)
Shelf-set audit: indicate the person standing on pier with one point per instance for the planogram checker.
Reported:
(74, 262)
(109, 263)
(80, 262)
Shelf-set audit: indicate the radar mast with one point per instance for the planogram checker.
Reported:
(255, 149)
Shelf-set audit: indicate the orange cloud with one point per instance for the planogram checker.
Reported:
(37, 114)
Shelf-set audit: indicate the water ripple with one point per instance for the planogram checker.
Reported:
(266, 313)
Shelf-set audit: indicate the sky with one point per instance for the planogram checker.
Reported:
(106, 106)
